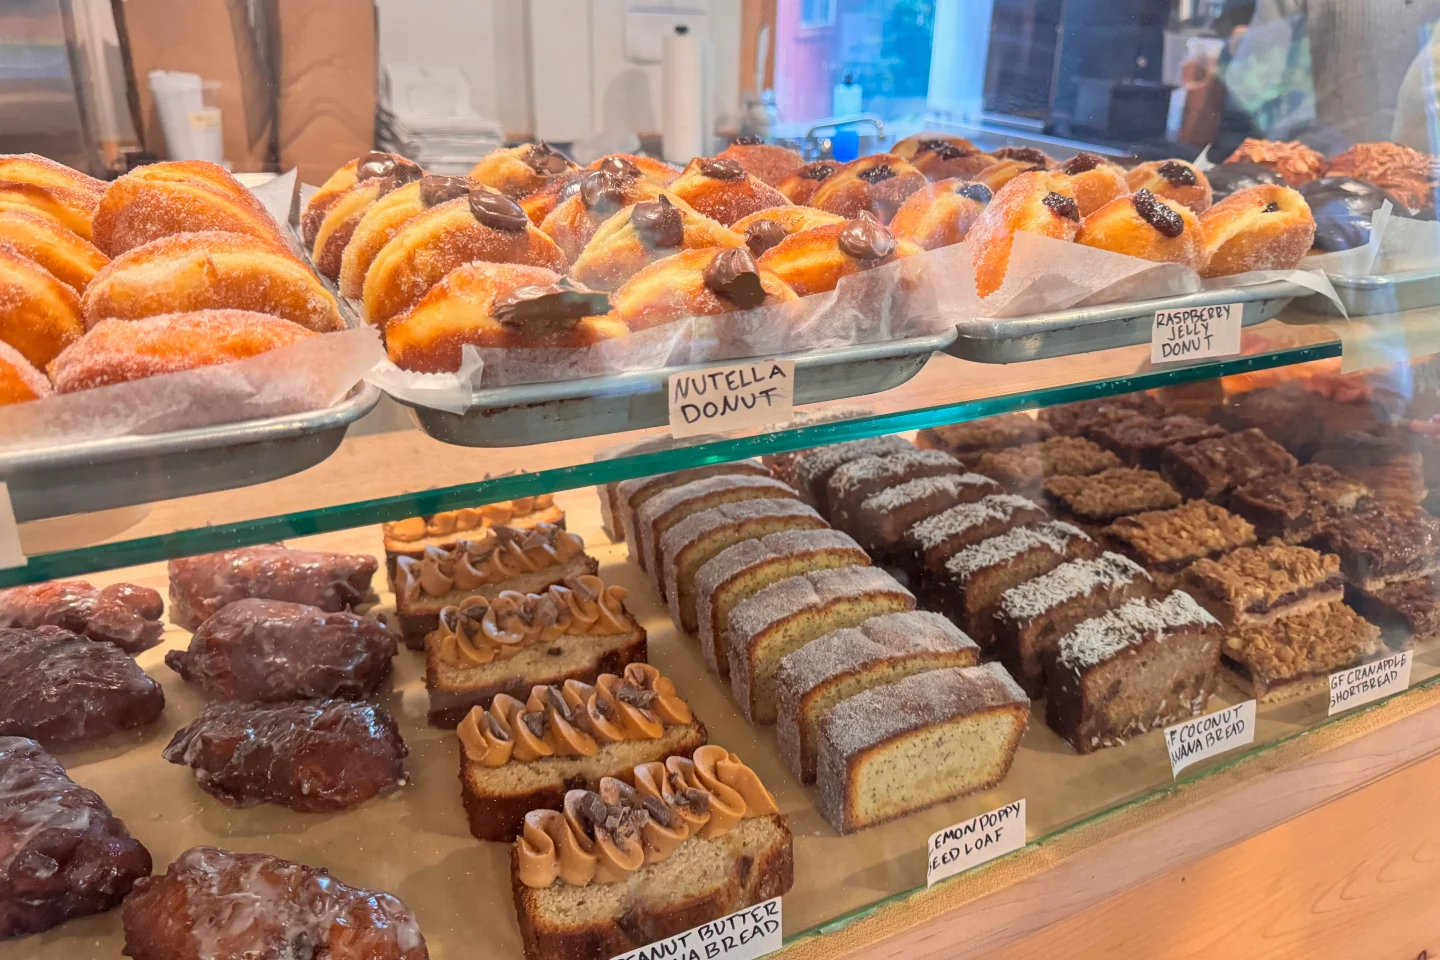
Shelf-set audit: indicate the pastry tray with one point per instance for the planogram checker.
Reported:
(532, 413)
(1089, 329)
(1368, 296)
(79, 477)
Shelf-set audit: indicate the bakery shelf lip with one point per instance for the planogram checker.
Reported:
(1377, 294)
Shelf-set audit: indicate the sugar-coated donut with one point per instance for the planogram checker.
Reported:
(345, 214)
(537, 205)
(948, 160)
(800, 186)
(186, 272)
(643, 233)
(767, 162)
(697, 283)
(383, 220)
(118, 351)
(497, 305)
(595, 197)
(41, 315)
(1095, 180)
(1297, 163)
(765, 228)
(73, 209)
(70, 257)
(940, 214)
(1001, 172)
(656, 171)
(1175, 180)
(1031, 155)
(373, 165)
(916, 143)
(1035, 202)
(65, 193)
(1146, 226)
(482, 225)
(1261, 228)
(180, 196)
(876, 184)
(20, 381)
(814, 261)
(723, 191)
(520, 171)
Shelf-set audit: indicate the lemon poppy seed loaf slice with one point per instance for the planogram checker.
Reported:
(744, 569)
(690, 543)
(841, 664)
(665, 510)
(631, 495)
(789, 614)
(908, 745)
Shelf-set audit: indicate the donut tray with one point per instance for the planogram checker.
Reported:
(1369, 296)
(105, 474)
(1090, 329)
(530, 413)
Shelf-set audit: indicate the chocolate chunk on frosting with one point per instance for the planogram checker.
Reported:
(563, 300)
(876, 173)
(1063, 206)
(497, 212)
(762, 235)
(546, 160)
(732, 274)
(1081, 163)
(437, 190)
(658, 223)
(1177, 173)
(722, 169)
(1161, 216)
(865, 239)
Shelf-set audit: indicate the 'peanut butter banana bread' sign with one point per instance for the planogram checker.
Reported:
(743, 935)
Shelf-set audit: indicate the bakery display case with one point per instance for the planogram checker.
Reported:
(848, 514)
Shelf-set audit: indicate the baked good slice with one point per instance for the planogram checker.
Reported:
(1168, 541)
(615, 869)
(853, 482)
(611, 516)
(688, 545)
(880, 522)
(905, 746)
(1141, 667)
(1382, 543)
(1139, 441)
(1076, 419)
(839, 665)
(744, 569)
(1023, 469)
(932, 541)
(1294, 656)
(782, 465)
(1031, 617)
(1293, 506)
(814, 467)
(410, 537)
(521, 756)
(496, 560)
(668, 508)
(515, 641)
(789, 614)
(1101, 497)
(1406, 611)
(969, 441)
(631, 495)
(1212, 468)
(1390, 462)
(1254, 585)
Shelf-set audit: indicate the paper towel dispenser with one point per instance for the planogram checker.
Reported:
(646, 26)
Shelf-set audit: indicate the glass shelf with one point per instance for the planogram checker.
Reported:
(403, 473)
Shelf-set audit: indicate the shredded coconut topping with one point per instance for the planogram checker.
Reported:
(1097, 640)
(933, 531)
(1057, 535)
(912, 490)
(1066, 582)
(867, 469)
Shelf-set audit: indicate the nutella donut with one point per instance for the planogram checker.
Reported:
(374, 164)
(584, 204)
(815, 260)
(645, 232)
(697, 283)
(385, 218)
(765, 228)
(519, 171)
(722, 190)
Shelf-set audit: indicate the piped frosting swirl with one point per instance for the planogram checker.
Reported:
(606, 835)
(481, 630)
(467, 518)
(501, 552)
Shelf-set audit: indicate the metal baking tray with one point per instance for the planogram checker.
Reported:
(80, 477)
(530, 413)
(1088, 329)
(1368, 296)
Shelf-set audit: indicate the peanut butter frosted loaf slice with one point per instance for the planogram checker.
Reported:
(668, 508)
(1032, 617)
(612, 870)
(908, 745)
(631, 495)
(789, 614)
(496, 560)
(410, 537)
(572, 631)
(516, 757)
(853, 482)
(825, 671)
(813, 469)
(744, 569)
(687, 546)
(1143, 666)
(880, 522)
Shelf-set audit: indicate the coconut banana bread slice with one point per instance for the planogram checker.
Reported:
(744, 569)
(882, 519)
(666, 509)
(908, 745)
(690, 543)
(853, 482)
(841, 664)
(813, 469)
(932, 541)
(789, 614)
(631, 495)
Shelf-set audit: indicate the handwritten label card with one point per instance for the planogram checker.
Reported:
(743, 935)
(1204, 737)
(1369, 682)
(1195, 333)
(969, 844)
(11, 555)
(748, 394)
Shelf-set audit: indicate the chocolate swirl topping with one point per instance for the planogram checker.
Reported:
(865, 239)
(437, 190)
(1081, 163)
(546, 160)
(602, 190)
(1023, 154)
(876, 173)
(762, 235)
(748, 141)
(377, 164)
(1177, 173)
(732, 274)
(558, 302)
(1161, 216)
(722, 169)
(975, 191)
(497, 212)
(658, 224)
(1063, 206)
(817, 171)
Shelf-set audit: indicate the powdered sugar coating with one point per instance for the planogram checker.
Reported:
(695, 496)
(698, 525)
(933, 531)
(1056, 534)
(1066, 582)
(813, 469)
(906, 493)
(795, 594)
(885, 637)
(1099, 639)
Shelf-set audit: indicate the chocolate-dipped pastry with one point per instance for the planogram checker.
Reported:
(815, 260)
(801, 185)
(1227, 178)
(767, 162)
(877, 185)
(384, 219)
(519, 171)
(643, 233)
(584, 204)
(722, 190)
(1343, 207)
(1174, 180)
(940, 214)
(370, 166)
(697, 283)
(765, 228)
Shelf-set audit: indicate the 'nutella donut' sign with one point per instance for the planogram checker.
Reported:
(1194, 333)
(751, 393)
